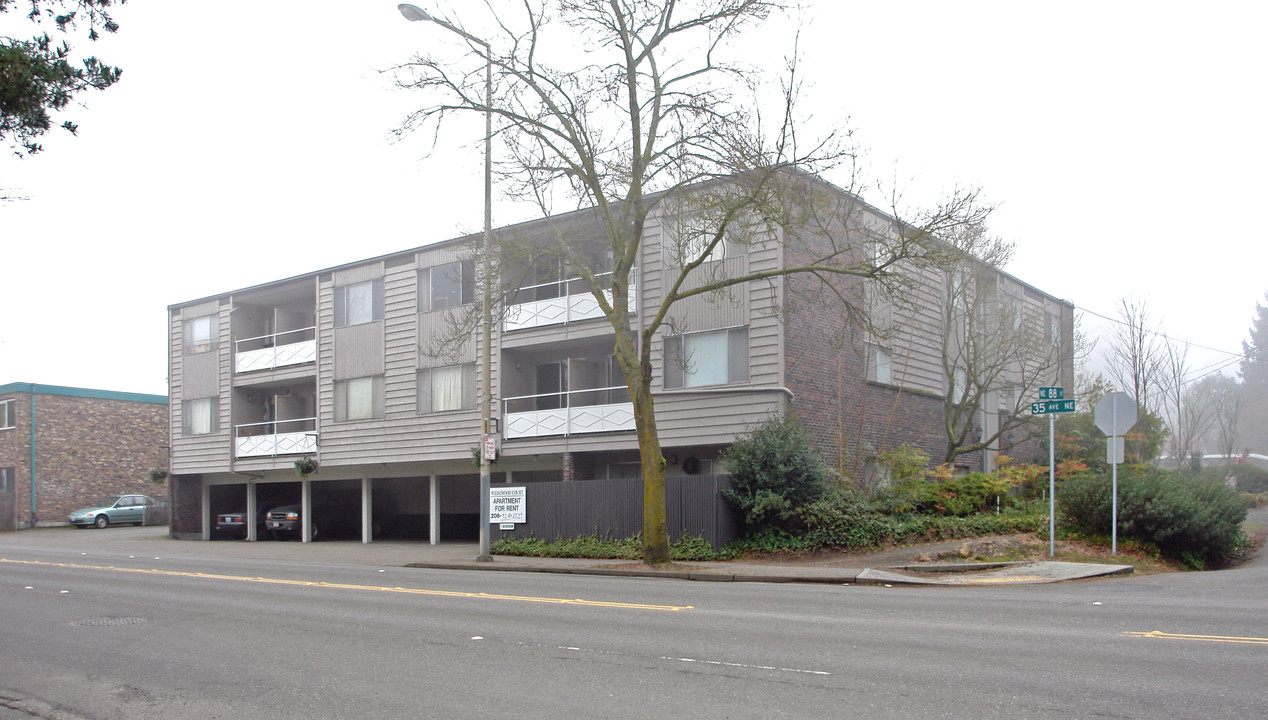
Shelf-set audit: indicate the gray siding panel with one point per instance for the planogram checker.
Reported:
(359, 351)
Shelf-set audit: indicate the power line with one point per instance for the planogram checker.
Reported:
(1163, 335)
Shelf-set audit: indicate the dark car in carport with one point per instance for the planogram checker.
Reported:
(332, 517)
(234, 524)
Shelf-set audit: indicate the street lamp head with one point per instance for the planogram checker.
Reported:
(413, 13)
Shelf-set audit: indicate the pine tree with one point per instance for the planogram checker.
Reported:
(38, 77)
(1254, 371)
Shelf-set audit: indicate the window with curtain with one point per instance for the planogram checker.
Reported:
(199, 416)
(719, 357)
(6, 414)
(452, 387)
(198, 335)
(359, 398)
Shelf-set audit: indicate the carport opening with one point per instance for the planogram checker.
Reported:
(233, 499)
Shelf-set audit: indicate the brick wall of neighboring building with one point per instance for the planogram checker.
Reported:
(88, 444)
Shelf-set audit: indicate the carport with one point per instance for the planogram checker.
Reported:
(398, 508)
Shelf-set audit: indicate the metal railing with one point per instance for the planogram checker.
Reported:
(266, 352)
(568, 301)
(275, 437)
(589, 410)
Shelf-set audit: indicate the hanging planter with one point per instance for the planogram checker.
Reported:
(157, 475)
(305, 466)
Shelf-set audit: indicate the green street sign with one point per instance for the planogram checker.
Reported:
(1051, 393)
(1051, 406)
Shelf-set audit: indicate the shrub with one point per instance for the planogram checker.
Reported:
(956, 497)
(904, 462)
(1250, 478)
(775, 474)
(1195, 520)
(688, 547)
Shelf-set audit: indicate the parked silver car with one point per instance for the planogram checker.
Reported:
(115, 509)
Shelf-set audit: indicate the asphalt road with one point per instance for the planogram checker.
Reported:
(100, 634)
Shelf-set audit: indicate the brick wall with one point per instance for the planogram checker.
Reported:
(85, 448)
(849, 418)
(187, 506)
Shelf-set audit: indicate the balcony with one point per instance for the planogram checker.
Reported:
(593, 410)
(573, 302)
(281, 437)
(266, 352)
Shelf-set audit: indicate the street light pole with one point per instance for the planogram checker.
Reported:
(415, 14)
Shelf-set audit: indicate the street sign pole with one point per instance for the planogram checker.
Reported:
(1052, 487)
(1115, 414)
(1114, 493)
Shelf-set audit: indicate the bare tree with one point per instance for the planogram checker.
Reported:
(1187, 412)
(1136, 359)
(1223, 398)
(652, 122)
(996, 353)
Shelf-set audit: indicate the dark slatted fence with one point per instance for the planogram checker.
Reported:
(614, 509)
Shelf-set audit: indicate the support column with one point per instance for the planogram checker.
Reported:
(206, 509)
(252, 507)
(306, 510)
(433, 508)
(367, 510)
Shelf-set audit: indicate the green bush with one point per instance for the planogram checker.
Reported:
(776, 473)
(955, 497)
(688, 547)
(1250, 478)
(844, 520)
(1195, 520)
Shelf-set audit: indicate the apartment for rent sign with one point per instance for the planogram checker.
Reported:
(506, 505)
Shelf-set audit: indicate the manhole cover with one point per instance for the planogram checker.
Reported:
(104, 622)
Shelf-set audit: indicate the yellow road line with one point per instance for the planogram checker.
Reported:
(1199, 638)
(345, 586)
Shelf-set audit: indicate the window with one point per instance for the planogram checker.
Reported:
(625, 471)
(690, 238)
(1015, 312)
(198, 334)
(957, 286)
(446, 286)
(359, 398)
(1052, 329)
(447, 388)
(959, 385)
(879, 366)
(707, 358)
(6, 480)
(7, 420)
(359, 303)
(199, 416)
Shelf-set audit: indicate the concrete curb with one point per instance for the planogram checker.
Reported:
(1012, 573)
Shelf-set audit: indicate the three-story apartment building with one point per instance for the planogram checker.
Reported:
(355, 367)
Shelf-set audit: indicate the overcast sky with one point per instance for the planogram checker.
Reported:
(251, 141)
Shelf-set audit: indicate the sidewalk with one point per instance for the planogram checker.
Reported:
(893, 568)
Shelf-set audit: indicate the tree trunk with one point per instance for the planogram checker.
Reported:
(655, 533)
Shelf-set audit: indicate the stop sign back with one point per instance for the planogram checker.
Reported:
(1115, 414)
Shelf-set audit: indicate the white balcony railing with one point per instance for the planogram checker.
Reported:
(293, 347)
(282, 437)
(581, 411)
(577, 304)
